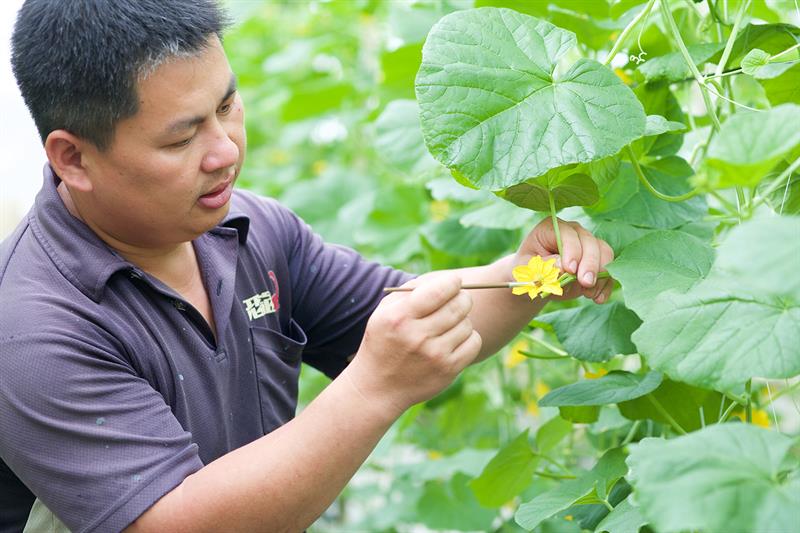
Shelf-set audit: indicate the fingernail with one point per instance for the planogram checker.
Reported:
(588, 278)
(601, 298)
(573, 266)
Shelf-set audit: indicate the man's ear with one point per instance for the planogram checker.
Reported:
(65, 152)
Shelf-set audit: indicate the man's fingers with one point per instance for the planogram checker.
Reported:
(448, 341)
(450, 314)
(590, 260)
(432, 294)
(466, 352)
(571, 246)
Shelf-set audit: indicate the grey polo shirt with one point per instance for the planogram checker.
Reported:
(113, 388)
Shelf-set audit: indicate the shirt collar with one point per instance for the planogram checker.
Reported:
(79, 254)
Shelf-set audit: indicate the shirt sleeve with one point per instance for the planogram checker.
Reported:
(334, 292)
(95, 442)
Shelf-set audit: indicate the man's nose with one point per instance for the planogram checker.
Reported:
(224, 152)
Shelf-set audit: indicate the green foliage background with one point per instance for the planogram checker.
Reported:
(334, 132)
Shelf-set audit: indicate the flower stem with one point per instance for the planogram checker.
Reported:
(555, 223)
(627, 31)
(661, 196)
(531, 355)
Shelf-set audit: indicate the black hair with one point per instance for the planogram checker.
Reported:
(78, 62)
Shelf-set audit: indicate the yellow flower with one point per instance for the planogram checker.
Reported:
(515, 356)
(439, 209)
(540, 277)
(759, 417)
(594, 375)
(434, 455)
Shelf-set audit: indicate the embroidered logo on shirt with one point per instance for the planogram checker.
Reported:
(264, 303)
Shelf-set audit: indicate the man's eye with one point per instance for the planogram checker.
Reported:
(182, 143)
(224, 109)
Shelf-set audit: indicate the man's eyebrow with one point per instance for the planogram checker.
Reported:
(187, 123)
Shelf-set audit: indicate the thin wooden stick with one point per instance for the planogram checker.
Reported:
(506, 285)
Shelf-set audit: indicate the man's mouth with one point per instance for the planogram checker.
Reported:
(219, 196)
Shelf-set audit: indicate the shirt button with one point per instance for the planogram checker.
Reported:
(179, 305)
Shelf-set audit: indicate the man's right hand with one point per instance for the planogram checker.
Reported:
(415, 344)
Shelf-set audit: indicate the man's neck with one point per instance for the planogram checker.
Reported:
(175, 265)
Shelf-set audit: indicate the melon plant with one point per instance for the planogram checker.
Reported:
(509, 107)
(435, 133)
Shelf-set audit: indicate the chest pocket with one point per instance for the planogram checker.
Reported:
(277, 363)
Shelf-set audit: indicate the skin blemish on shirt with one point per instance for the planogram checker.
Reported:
(136, 478)
(180, 377)
(100, 421)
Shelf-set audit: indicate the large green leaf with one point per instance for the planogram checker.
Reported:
(598, 481)
(492, 109)
(750, 144)
(616, 386)
(573, 189)
(741, 321)
(507, 474)
(690, 407)
(500, 215)
(660, 261)
(627, 200)
(594, 332)
(729, 477)
(452, 505)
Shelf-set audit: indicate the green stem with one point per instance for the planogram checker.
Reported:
(741, 201)
(608, 505)
(546, 344)
(566, 279)
(776, 184)
(748, 410)
(531, 355)
(553, 476)
(713, 10)
(795, 47)
(555, 223)
(631, 433)
(783, 391)
(729, 206)
(676, 35)
(660, 408)
(556, 463)
(726, 54)
(635, 162)
(507, 404)
(627, 31)
(727, 413)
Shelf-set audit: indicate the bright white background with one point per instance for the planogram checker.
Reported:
(21, 153)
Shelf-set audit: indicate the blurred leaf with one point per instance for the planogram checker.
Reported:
(451, 237)
(750, 144)
(616, 386)
(785, 88)
(315, 97)
(501, 215)
(737, 470)
(594, 332)
(501, 125)
(507, 474)
(452, 505)
(691, 407)
(786, 200)
(656, 125)
(605, 473)
(580, 414)
(771, 38)
(468, 461)
(447, 189)
(551, 433)
(398, 69)
(398, 138)
(660, 261)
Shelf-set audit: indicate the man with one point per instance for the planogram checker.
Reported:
(154, 319)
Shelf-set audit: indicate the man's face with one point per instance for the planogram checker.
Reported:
(168, 174)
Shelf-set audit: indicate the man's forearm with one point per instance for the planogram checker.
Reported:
(284, 480)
